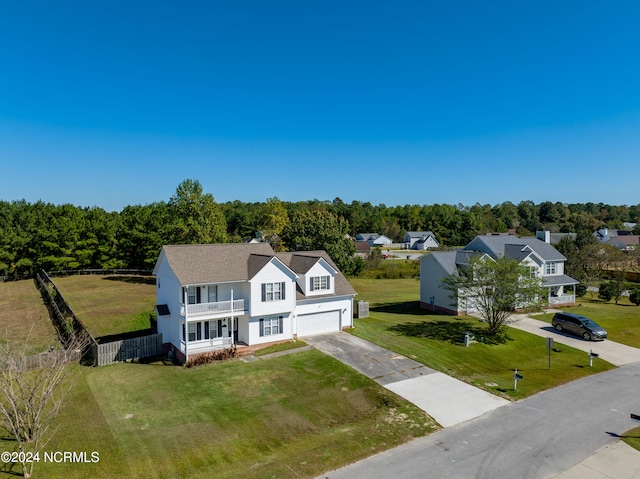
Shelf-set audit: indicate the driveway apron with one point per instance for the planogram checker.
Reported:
(448, 400)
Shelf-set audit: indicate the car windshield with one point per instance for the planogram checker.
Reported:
(590, 323)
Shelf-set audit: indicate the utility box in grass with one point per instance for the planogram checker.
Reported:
(363, 309)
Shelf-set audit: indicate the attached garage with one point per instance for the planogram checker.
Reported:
(318, 323)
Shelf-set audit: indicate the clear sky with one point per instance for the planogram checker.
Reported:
(111, 103)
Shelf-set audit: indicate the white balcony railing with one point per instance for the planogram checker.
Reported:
(203, 309)
(562, 299)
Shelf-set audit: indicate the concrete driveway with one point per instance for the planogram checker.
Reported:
(615, 353)
(447, 400)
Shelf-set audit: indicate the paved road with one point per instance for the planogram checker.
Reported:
(537, 437)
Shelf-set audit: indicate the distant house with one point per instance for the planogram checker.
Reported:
(554, 238)
(363, 249)
(420, 240)
(213, 296)
(374, 239)
(542, 259)
(625, 242)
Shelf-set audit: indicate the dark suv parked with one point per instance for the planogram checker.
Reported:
(580, 325)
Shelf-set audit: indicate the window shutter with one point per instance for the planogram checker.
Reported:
(261, 326)
(310, 284)
(198, 295)
(206, 330)
(264, 294)
(219, 328)
(329, 282)
(281, 324)
(282, 289)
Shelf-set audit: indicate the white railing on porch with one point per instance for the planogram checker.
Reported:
(202, 309)
(562, 299)
(208, 346)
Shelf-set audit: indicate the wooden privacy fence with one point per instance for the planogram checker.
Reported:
(38, 361)
(134, 348)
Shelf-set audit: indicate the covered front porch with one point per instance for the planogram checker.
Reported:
(205, 336)
(561, 289)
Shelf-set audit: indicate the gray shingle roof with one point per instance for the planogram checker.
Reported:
(496, 246)
(216, 263)
(301, 261)
(220, 263)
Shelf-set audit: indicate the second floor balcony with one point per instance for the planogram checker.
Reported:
(236, 306)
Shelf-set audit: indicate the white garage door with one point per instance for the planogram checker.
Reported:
(318, 323)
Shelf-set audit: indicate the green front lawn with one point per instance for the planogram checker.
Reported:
(397, 322)
(291, 416)
(622, 321)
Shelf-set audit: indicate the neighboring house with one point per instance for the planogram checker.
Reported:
(541, 258)
(213, 296)
(374, 239)
(554, 238)
(363, 249)
(420, 240)
(625, 242)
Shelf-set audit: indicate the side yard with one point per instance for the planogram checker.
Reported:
(110, 305)
(24, 317)
(397, 322)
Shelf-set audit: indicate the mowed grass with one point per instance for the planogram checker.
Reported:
(110, 305)
(24, 318)
(622, 321)
(292, 416)
(397, 322)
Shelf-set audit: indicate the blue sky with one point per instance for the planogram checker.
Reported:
(111, 103)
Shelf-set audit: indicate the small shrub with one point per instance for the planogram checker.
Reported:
(212, 356)
(581, 290)
(634, 296)
(605, 291)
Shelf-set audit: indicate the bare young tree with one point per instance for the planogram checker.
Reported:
(33, 389)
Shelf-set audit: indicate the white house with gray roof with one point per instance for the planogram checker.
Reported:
(209, 297)
(542, 259)
(420, 240)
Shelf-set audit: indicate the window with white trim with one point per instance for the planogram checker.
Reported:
(271, 326)
(273, 291)
(550, 268)
(320, 283)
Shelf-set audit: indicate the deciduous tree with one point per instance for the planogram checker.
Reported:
(495, 288)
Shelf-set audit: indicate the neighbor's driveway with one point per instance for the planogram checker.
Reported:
(615, 353)
(448, 400)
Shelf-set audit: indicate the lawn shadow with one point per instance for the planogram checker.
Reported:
(132, 279)
(122, 336)
(408, 307)
(451, 331)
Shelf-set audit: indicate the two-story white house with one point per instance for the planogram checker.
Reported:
(212, 296)
(420, 240)
(542, 259)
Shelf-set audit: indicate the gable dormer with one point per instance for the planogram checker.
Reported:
(318, 280)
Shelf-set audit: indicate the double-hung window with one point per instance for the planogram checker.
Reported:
(273, 291)
(271, 326)
(550, 268)
(320, 283)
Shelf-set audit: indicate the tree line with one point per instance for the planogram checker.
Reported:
(56, 237)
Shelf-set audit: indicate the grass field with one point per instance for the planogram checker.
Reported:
(296, 415)
(622, 321)
(397, 322)
(110, 305)
(24, 317)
